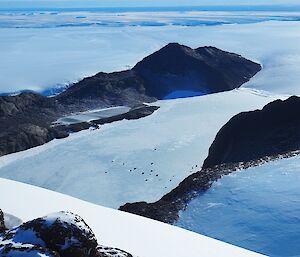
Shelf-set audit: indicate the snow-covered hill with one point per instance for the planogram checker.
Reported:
(257, 208)
(131, 161)
(140, 236)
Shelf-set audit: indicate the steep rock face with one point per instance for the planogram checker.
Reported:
(11, 105)
(25, 121)
(206, 69)
(251, 135)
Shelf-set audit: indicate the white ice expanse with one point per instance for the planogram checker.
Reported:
(138, 160)
(257, 208)
(39, 58)
(147, 238)
(52, 19)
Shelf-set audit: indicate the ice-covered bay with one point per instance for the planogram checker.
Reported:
(132, 160)
(257, 209)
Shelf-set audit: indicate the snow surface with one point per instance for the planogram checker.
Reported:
(147, 238)
(138, 160)
(76, 52)
(257, 209)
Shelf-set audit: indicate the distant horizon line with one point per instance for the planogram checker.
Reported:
(277, 7)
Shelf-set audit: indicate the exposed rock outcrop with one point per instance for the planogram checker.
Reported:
(252, 135)
(205, 69)
(135, 113)
(175, 67)
(26, 121)
(62, 234)
(106, 89)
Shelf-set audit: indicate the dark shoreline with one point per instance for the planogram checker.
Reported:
(168, 207)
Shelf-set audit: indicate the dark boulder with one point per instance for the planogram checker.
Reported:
(64, 233)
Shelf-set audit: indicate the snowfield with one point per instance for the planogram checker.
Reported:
(147, 238)
(257, 209)
(76, 52)
(128, 161)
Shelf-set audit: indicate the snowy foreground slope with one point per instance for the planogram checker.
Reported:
(131, 161)
(140, 236)
(257, 208)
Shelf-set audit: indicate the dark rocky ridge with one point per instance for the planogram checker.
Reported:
(172, 68)
(105, 90)
(204, 69)
(26, 119)
(251, 135)
(168, 207)
(248, 139)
